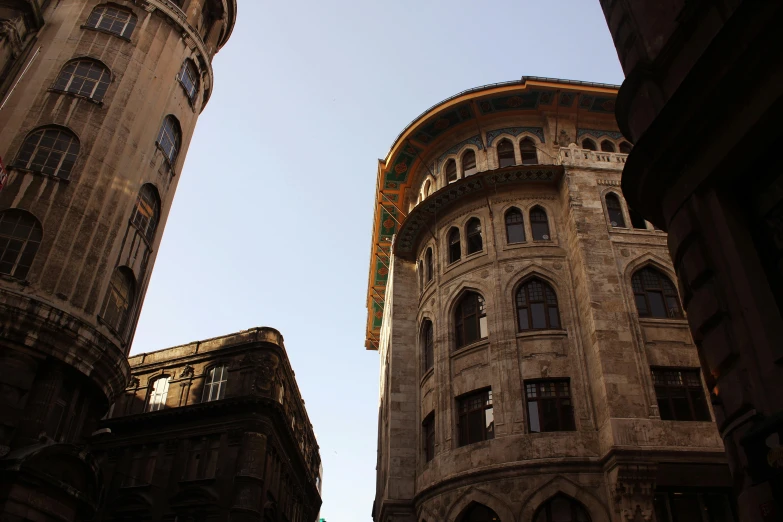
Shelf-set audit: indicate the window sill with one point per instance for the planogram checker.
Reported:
(551, 433)
(544, 332)
(197, 482)
(424, 378)
(38, 173)
(664, 321)
(77, 96)
(529, 244)
(464, 350)
(12, 279)
(104, 31)
(626, 230)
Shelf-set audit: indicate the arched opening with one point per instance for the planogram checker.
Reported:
(515, 226)
(528, 151)
(539, 224)
(20, 237)
(455, 249)
(625, 147)
(146, 213)
(615, 210)
(589, 144)
(505, 153)
(451, 171)
(170, 138)
(159, 391)
(112, 19)
(427, 344)
(655, 294)
(470, 319)
(426, 190)
(561, 509)
(49, 150)
(469, 163)
(607, 146)
(84, 77)
(429, 262)
(119, 300)
(473, 234)
(189, 79)
(215, 383)
(476, 512)
(536, 304)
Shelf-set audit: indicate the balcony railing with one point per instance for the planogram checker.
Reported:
(591, 158)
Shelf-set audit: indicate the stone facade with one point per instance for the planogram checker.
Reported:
(229, 439)
(615, 455)
(100, 101)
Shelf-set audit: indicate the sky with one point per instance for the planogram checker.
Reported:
(271, 223)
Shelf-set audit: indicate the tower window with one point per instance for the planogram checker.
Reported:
(537, 306)
(88, 78)
(680, 395)
(455, 250)
(215, 383)
(469, 163)
(473, 233)
(607, 146)
(539, 224)
(549, 406)
(451, 171)
(506, 154)
(169, 138)
(158, 394)
(515, 226)
(655, 294)
(476, 420)
(528, 151)
(20, 237)
(188, 77)
(589, 144)
(429, 262)
(113, 20)
(119, 299)
(625, 147)
(428, 435)
(428, 345)
(146, 212)
(51, 151)
(470, 319)
(615, 210)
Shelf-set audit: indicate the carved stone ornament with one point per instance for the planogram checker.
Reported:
(563, 139)
(633, 491)
(186, 372)
(265, 372)
(133, 382)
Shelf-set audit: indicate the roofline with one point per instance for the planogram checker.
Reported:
(201, 341)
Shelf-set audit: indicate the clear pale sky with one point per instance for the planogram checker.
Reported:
(272, 219)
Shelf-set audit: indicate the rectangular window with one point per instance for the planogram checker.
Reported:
(476, 421)
(680, 394)
(702, 506)
(428, 435)
(549, 406)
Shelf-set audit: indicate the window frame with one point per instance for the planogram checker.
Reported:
(545, 222)
(173, 135)
(120, 323)
(613, 211)
(536, 385)
(60, 171)
(625, 145)
(468, 171)
(589, 144)
(484, 396)
(473, 230)
(448, 173)
(544, 511)
(104, 80)
(461, 317)
(154, 393)
(512, 158)
(146, 225)
(210, 383)
(129, 26)
(529, 148)
(546, 289)
(29, 244)
(689, 387)
(455, 245)
(637, 280)
(429, 265)
(520, 224)
(608, 144)
(188, 67)
(428, 436)
(427, 345)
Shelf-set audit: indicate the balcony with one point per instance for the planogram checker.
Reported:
(573, 157)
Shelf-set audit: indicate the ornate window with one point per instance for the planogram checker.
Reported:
(528, 151)
(589, 144)
(113, 20)
(469, 163)
(537, 306)
(20, 237)
(428, 261)
(188, 77)
(169, 138)
(50, 151)
(549, 406)
(470, 319)
(506, 153)
(625, 147)
(119, 300)
(607, 146)
(476, 421)
(561, 509)
(539, 224)
(615, 210)
(451, 171)
(428, 345)
(428, 436)
(146, 213)
(680, 394)
(637, 221)
(215, 383)
(160, 389)
(88, 78)
(455, 250)
(655, 294)
(515, 226)
(473, 233)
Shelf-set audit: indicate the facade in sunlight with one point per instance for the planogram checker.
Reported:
(210, 431)
(99, 103)
(536, 362)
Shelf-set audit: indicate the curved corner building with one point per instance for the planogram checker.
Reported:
(536, 364)
(99, 103)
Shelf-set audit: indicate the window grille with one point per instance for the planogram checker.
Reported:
(470, 319)
(515, 226)
(451, 171)
(528, 151)
(549, 406)
(539, 224)
(87, 78)
(169, 138)
(615, 210)
(537, 306)
(146, 212)
(118, 301)
(505, 154)
(476, 421)
(188, 77)
(680, 394)
(215, 383)
(655, 294)
(49, 151)
(469, 163)
(113, 20)
(20, 237)
(160, 390)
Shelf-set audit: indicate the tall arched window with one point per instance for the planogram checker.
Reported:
(215, 383)
(169, 138)
(427, 345)
(515, 226)
(20, 237)
(479, 513)
(473, 233)
(655, 294)
(539, 224)
(50, 151)
(589, 144)
(188, 78)
(428, 261)
(537, 306)
(146, 213)
(451, 171)
(158, 394)
(528, 151)
(455, 249)
(625, 147)
(470, 319)
(607, 146)
(469, 163)
(615, 210)
(85, 77)
(426, 190)
(561, 509)
(119, 300)
(506, 153)
(113, 20)
(421, 274)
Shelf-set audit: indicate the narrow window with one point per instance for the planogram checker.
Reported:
(506, 154)
(455, 250)
(215, 384)
(118, 301)
(539, 224)
(561, 509)
(20, 237)
(515, 226)
(146, 213)
(655, 294)
(51, 151)
(88, 78)
(428, 436)
(470, 319)
(607, 146)
(680, 395)
(469, 163)
(451, 171)
(169, 138)
(589, 144)
(428, 344)
(113, 20)
(188, 78)
(637, 221)
(473, 233)
(528, 151)
(549, 406)
(625, 147)
(537, 306)
(476, 420)
(421, 274)
(160, 389)
(615, 210)
(429, 262)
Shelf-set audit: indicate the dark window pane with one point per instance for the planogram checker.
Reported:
(539, 317)
(701, 411)
(523, 319)
(554, 318)
(532, 410)
(685, 507)
(516, 233)
(657, 306)
(641, 305)
(505, 153)
(549, 415)
(471, 331)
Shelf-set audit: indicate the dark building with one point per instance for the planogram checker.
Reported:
(210, 431)
(702, 100)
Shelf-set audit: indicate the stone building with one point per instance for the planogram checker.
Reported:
(702, 102)
(536, 364)
(210, 431)
(99, 103)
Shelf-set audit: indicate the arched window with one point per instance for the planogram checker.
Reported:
(473, 233)
(589, 144)
(20, 237)
(119, 300)
(625, 147)
(470, 319)
(479, 513)
(455, 250)
(561, 509)
(537, 306)
(169, 138)
(146, 213)
(427, 345)
(655, 294)
(451, 171)
(188, 77)
(88, 78)
(215, 383)
(637, 221)
(426, 190)
(429, 263)
(50, 151)
(469, 163)
(515, 226)
(113, 20)
(607, 146)
(528, 151)
(615, 210)
(158, 393)
(506, 154)
(539, 224)
(421, 274)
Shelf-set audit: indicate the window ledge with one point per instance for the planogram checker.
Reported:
(631, 230)
(477, 253)
(12, 279)
(38, 173)
(544, 332)
(426, 376)
(561, 433)
(463, 350)
(104, 31)
(77, 96)
(664, 321)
